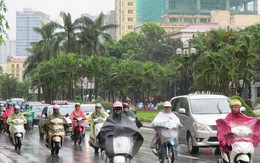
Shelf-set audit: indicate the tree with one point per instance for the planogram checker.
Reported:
(69, 32)
(3, 22)
(8, 86)
(92, 32)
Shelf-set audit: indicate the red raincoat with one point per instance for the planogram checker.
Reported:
(225, 136)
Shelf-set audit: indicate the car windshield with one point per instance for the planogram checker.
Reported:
(38, 108)
(88, 108)
(210, 106)
(17, 100)
(65, 109)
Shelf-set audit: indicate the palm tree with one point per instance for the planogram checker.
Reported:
(69, 32)
(92, 32)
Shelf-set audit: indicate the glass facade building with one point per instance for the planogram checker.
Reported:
(157, 10)
(26, 20)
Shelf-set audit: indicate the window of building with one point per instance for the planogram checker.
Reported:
(17, 65)
(12, 65)
(130, 11)
(188, 20)
(130, 3)
(129, 27)
(130, 19)
(174, 20)
(203, 20)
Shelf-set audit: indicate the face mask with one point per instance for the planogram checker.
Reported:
(118, 111)
(126, 109)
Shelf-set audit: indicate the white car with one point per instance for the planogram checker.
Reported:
(198, 115)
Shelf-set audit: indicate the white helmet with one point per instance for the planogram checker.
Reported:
(167, 104)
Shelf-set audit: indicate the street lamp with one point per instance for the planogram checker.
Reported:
(186, 53)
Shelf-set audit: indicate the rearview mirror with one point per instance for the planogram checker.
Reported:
(43, 116)
(181, 111)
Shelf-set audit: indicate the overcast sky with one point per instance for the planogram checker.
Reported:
(53, 8)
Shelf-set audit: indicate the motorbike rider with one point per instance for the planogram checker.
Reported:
(127, 112)
(235, 116)
(48, 126)
(118, 124)
(15, 115)
(95, 115)
(8, 111)
(161, 117)
(78, 112)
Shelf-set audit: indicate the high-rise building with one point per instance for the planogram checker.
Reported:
(125, 17)
(7, 50)
(190, 11)
(26, 20)
(111, 19)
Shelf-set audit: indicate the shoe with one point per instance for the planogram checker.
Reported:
(155, 151)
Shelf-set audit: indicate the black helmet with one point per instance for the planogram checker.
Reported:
(125, 105)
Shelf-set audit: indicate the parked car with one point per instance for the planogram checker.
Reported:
(198, 115)
(64, 110)
(90, 108)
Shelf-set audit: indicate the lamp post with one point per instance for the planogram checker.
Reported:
(186, 53)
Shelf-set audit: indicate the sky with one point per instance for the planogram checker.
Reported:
(53, 8)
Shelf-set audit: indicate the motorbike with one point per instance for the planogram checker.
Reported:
(29, 117)
(92, 138)
(56, 136)
(166, 148)
(79, 130)
(122, 148)
(241, 139)
(120, 140)
(17, 133)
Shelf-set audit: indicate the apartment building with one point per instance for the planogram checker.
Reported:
(15, 67)
(125, 11)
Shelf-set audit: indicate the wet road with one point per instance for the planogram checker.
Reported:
(34, 151)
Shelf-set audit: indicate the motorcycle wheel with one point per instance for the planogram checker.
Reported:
(18, 144)
(80, 138)
(170, 154)
(57, 148)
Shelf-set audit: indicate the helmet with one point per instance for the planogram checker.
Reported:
(98, 105)
(56, 107)
(127, 99)
(125, 105)
(235, 102)
(77, 104)
(9, 104)
(167, 104)
(17, 107)
(117, 104)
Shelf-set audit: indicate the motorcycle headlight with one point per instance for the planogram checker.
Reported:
(202, 127)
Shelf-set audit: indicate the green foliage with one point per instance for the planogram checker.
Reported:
(160, 106)
(146, 116)
(3, 22)
(257, 101)
(249, 111)
(107, 106)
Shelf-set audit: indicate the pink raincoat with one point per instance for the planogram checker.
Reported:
(7, 113)
(225, 136)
